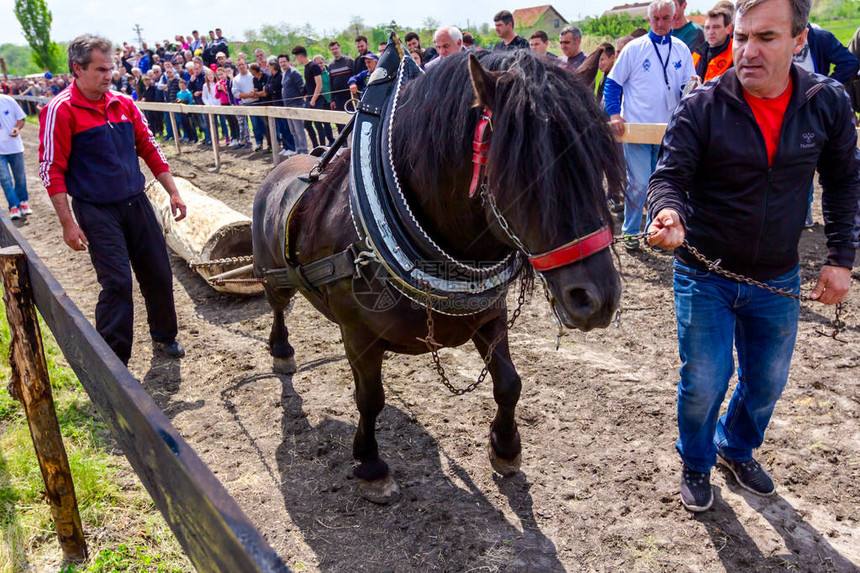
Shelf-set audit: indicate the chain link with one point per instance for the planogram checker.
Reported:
(837, 324)
(194, 265)
(219, 282)
(434, 346)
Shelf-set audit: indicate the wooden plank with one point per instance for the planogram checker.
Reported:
(643, 133)
(214, 532)
(323, 115)
(33, 388)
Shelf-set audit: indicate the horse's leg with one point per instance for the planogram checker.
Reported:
(505, 447)
(364, 352)
(283, 355)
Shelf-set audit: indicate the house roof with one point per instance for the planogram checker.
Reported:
(528, 17)
(698, 19)
(635, 9)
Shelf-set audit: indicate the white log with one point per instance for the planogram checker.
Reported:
(209, 232)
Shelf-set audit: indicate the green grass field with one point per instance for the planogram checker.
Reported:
(123, 529)
(842, 29)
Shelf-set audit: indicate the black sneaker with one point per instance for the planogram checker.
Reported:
(170, 349)
(750, 475)
(630, 242)
(696, 492)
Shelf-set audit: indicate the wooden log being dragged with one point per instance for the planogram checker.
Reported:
(210, 232)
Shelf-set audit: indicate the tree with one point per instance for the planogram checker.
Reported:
(612, 25)
(35, 20)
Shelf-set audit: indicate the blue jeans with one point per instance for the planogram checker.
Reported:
(168, 125)
(259, 124)
(284, 135)
(12, 167)
(712, 313)
(641, 162)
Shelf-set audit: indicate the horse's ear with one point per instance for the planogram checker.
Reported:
(483, 82)
(588, 70)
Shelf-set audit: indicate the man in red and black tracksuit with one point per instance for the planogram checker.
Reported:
(90, 140)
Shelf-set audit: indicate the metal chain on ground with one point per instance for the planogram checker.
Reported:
(434, 346)
(837, 323)
(219, 282)
(194, 265)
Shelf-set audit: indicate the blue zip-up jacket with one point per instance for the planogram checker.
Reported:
(826, 49)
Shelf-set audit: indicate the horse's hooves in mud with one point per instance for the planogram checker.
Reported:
(381, 491)
(284, 365)
(505, 467)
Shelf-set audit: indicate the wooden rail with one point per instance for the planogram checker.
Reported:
(212, 529)
(651, 133)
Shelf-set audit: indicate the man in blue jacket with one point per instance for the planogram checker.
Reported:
(732, 179)
(822, 50)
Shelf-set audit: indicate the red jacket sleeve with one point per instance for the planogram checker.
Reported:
(55, 144)
(145, 143)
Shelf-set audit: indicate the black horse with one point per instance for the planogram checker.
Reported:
(551, 157)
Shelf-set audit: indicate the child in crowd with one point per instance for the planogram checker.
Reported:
(184, 96)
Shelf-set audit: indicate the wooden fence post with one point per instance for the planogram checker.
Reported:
(33, 388)
(213, 136)
(176, 134)
(273, 137)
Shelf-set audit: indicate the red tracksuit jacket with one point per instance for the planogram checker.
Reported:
(92, 155)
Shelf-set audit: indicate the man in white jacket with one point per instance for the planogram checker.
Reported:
(650, 73)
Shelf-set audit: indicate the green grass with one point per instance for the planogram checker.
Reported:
(124, 531)
(843, 29)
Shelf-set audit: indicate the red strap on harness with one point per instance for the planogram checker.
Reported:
(573, 251)
(480, 150)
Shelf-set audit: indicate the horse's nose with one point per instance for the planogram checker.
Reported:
(581, 304)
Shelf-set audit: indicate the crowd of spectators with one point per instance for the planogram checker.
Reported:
(201, 69)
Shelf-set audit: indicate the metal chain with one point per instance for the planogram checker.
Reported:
(194, 265)
(219, 282)
(434, 346)
(503, 223)
(837, 323)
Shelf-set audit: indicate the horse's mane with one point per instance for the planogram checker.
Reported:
(551, 149)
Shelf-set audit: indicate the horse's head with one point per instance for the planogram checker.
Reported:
(551, 156)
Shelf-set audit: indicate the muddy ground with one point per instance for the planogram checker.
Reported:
(599, 486)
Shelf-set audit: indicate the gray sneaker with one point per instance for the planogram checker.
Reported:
(696, 492)
(750, 475)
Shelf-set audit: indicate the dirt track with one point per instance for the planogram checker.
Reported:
(599, 487)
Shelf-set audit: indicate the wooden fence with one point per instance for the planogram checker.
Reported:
(212, 529)
(635, 132)
(271, 113)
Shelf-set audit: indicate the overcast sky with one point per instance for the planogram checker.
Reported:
(159, 19)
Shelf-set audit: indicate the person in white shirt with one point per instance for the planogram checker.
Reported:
(13, 177)
(651, 74)
(242, 88)
(447, 41)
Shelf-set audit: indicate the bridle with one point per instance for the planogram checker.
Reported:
(569, 253)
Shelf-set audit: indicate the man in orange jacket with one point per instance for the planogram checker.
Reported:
(715, 56)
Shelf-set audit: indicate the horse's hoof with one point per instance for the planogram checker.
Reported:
(381, 491)
(284, 365)
(504, 467)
